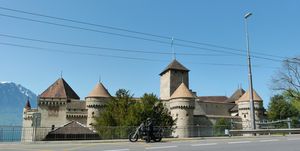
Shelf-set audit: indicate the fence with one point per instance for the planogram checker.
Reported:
(264, 131)
(18, 133)
(10, 133)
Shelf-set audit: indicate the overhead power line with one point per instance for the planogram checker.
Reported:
(135, 37)
(132, 31)
(226, 52)
(77, 52)
(82, 28)
(117, 56)
(104, 48)
(85, 23)
(134, 51)
(228, 48)
(117, 34)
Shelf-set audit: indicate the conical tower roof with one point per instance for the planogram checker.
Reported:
(175, 65)
(182, 92)
(236, 95)
(27, 106)
(246, 97)
(59, 89)
(99, 91)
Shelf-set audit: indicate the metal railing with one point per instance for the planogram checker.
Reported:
(25, 134)
(270, 127)
(19, 133)
(10, 133)
(264, 131)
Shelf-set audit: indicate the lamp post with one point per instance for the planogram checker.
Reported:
(252, 112)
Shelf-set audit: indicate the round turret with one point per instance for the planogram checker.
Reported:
(26, 109)
(182, 105)
(27, 106)
(95, 102)
(244, 108)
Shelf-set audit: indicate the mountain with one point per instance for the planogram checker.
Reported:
(13, 98)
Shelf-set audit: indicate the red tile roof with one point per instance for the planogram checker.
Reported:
(246, 97)
(59, 89)
(73, 127)
(182, 92)
(174, 65)
(99, 91)
(27, 106)
(218, 99)
(236, 95)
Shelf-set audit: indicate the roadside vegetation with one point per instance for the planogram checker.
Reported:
(286, 103)
(124, 113)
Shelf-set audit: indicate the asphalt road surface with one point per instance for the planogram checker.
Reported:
(274, 143)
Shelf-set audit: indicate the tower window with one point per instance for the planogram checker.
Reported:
(187, 114)
(244, 115)
(93, 114)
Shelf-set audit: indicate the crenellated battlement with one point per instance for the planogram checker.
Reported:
(182, 107)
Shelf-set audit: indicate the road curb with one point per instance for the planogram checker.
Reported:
(127, 141)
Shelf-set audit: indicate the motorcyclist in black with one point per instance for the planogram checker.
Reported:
(149, 125)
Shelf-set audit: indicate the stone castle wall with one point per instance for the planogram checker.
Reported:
(182, 111)
(95, 107)
(212, 108)
(244, 113)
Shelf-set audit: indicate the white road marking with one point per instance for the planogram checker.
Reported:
(204, 144)
(117, 150)
(240, 142)
(161, 147)
(293, 139)
(269, 140)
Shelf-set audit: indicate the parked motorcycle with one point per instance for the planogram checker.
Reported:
(142, 132)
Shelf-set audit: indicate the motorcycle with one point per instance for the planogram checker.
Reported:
(143, 133)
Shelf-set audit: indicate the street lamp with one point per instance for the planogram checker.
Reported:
(252, 112)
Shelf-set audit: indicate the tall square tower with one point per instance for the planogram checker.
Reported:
(171, 77)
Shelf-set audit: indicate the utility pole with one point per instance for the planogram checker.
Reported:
(251, 101)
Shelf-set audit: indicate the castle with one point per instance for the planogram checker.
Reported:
(59, 105)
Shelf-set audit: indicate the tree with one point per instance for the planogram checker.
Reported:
(153, 108)
(117, 110)
(123, 113)
(220, 126)
(280, 107)
(288, 78)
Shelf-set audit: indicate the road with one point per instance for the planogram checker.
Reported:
(274, 143)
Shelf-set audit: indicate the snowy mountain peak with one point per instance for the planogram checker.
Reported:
(5, 82)
(13, 97)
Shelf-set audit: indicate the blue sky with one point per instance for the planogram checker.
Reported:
(273, 28)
